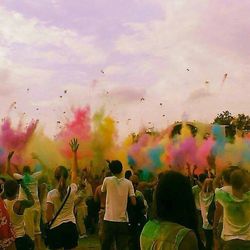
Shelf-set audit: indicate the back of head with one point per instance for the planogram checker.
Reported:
(135, 180)
(26, 169)
(61, 175)
(174, 200)
(11, 188)
(2, 180)
(128, 174)
(83, 173)
(202, 177)
(238, 179)
(226, 174)
(115, 167)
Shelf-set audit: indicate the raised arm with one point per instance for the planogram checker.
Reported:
(10, 155)
(21, 205)
(74, 147)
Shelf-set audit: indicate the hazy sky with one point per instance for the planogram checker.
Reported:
(151, 61)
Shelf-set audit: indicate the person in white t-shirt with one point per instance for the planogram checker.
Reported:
(118, 190)
(206, 197)
(16, 208)
(63, 232)
(236, 212)
(32, 215)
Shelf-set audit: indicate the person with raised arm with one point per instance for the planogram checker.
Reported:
(16, 208)
(63, 232)
(32, 215)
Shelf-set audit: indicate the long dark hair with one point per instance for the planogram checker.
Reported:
(61, 175)
(174, 201)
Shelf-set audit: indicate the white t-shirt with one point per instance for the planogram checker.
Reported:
(118, 190)
(16, 219)
(67, 213)
(32, 184)
(196, 193)
(236, 215)
(205, 201)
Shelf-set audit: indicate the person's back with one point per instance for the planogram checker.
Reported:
(32, 215)
(236, 218)
(163, 235)
(207, 203)
(196, 192)
(17, 220)
(236, 212)
(67, 212)
(175, 223)
(116, 198)
(118, 190)
(16, 210)
(63, 232)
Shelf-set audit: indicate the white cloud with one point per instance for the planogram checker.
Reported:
(181, 41)
(15, 29)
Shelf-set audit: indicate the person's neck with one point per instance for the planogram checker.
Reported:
(11, 198)
(118, 175)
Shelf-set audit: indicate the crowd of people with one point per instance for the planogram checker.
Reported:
(169, 211)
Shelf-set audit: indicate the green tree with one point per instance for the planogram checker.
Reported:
(226, 118)
(242, 122)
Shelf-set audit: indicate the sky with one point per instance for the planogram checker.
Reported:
(146, 62)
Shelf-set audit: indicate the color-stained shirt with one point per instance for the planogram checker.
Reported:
(236, 216)
(31, 181)
(162, 235)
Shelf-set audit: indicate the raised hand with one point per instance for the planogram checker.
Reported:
(74, 145)
(10, 155)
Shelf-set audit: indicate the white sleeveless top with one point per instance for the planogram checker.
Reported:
(16, 220)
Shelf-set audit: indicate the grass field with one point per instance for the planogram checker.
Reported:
(91, 242)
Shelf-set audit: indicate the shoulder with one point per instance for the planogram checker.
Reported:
(108, 179)
(37, 174)
(189, 242)
(150, 227)
(74, 187)
(18, 176)
(127, 182)
(52, 194)
(139, 193)
(220, 194)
